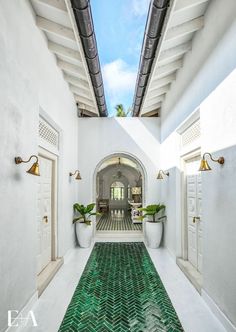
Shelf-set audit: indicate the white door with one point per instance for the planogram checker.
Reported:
(194, 221)
(44, 231)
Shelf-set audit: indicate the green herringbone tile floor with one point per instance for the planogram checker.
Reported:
(120, 291)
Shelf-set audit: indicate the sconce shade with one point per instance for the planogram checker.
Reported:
(160, 176)
(204, 166)
(78, 176)
(34, 169)
(161, 173)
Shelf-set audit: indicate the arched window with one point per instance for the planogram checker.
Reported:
(117, 191)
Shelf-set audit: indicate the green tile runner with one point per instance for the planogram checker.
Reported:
(120, 291)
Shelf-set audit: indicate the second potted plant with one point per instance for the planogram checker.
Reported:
(84, 228)
(154, 224)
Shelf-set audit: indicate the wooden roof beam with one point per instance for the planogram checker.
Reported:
(72, 69)
(185, 28)
(186, 4)
(55, 28)
(79, 83)
(64, 51)
(157, 83)
(57, 4)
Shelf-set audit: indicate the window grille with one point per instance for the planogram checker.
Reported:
(48, 134)
(192, 134)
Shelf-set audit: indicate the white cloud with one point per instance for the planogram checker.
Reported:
(140, 7)
(119, 80)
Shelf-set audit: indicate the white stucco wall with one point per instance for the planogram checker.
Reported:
(207, 80)
(29, 80)
(218, 119)
(211, 59)
(101, 137)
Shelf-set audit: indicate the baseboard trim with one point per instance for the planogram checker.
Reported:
(46, 276)
(24, 312)
(191, 273)
(227, 324)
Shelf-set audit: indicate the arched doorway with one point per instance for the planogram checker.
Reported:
(119, 190)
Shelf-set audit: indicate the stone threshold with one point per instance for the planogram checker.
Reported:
(191, 273)
(119, 236)
(47, 274)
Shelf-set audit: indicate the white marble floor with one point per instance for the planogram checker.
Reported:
(190, 307)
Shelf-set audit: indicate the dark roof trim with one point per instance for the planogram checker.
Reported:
(154, 25)
(84, 21)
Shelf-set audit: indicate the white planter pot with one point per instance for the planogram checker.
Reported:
(84, 234)
(153, 234)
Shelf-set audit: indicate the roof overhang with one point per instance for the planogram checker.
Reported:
(59, 21)
(183, 19)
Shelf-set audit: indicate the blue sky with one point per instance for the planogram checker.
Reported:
(119, 27)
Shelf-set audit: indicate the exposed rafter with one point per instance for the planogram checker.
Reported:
(185, 28)
(162, 82)
(163, 71)
(57, 4)
(55, 28)
(186, 4)
(84, 100)
(157, 100)
(79, 83)
(80, 92)
(70, 68)
(64, 51)
(171, 54)
(158, 92)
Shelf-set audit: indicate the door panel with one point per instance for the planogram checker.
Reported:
(191, 212)
(44, 214)
(199, 223)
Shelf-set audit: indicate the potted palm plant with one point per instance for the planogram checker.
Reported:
(84, 228)
(154, 224)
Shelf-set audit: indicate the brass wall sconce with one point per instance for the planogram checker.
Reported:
(161, 173)
(34, 169)
(78, 176)
(204, 166)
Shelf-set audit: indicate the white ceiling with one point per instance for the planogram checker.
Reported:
(115, 161)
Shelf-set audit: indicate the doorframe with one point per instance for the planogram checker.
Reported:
(54, 200)
(184, 219)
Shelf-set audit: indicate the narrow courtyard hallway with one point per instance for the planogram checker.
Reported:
(118, 166)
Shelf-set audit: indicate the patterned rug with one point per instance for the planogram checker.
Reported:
(120, 291)
(117, 220)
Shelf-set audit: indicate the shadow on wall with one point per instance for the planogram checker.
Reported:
(144, 134)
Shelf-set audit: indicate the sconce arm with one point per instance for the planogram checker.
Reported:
(19, 160)
(220, 160)
(165, 172)
(71, 174)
